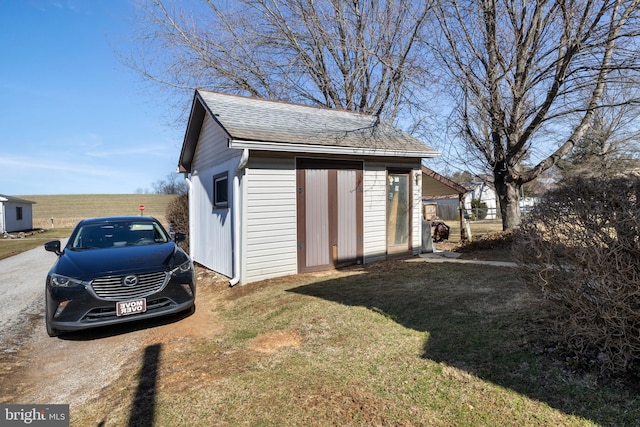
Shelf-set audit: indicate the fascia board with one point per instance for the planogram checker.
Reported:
(323, 149)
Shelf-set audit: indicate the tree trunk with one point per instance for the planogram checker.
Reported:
(509, 200)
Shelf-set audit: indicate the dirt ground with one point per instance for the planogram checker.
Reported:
(74, 368)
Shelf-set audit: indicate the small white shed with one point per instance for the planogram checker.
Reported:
(15, 214)
(279, 188)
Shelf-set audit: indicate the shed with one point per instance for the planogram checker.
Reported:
(279, 188)
(442, 191)
(15, 214)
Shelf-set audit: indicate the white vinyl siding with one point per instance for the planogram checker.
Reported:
(270, 237)
(212, 147)
(11, 221)
(212, 227)
(375, 212)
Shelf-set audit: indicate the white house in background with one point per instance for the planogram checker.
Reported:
(279, 188)
(485, 193)
(15, 214)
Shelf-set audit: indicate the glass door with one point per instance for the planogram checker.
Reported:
(397, 212)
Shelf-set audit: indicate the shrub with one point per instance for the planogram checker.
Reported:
(178, 217)
(580, 247)
(479, 210)
(496, 240)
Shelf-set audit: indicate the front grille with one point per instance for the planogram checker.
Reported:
(112, 288)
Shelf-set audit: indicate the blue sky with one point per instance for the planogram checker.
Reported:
(73, 119)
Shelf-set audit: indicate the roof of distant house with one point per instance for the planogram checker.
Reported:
(455, 187)
(12, 199)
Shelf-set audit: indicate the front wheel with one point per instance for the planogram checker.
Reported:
(52, 332)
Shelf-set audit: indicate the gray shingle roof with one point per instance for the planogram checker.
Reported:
(260, 120)
(12, 199)
(253, 122)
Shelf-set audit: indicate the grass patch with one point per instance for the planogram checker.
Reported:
(391, 344)
(10, 247)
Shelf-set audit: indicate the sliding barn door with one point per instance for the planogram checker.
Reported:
(329, 203)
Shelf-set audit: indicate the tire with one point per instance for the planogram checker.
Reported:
(52, 332)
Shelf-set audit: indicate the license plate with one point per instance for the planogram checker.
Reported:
(125, 308)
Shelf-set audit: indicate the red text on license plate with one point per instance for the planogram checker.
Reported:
(124, 308)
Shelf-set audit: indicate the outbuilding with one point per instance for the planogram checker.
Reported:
(279, 188)
(15, 214)
(443, 199)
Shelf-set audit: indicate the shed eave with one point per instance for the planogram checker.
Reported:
(199, 108)
(325, 149)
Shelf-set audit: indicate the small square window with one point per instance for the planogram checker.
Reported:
(221, 191)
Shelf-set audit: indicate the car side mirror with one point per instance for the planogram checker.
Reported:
(53, 246)
(180, 237)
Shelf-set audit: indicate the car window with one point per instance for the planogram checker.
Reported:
(129, 233)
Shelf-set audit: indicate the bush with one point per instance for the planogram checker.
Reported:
(580, 247)
(496, 240)
(479, 210)
(178, 217)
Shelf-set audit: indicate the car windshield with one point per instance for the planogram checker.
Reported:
(116, 234)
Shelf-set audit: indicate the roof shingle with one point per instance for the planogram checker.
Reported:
(284, 126)
(253, 119)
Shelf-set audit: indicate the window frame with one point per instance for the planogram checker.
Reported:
(218, 203)
(19, 213)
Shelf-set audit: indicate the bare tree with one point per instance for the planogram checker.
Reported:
(355, 55)
(527, 77)
(171, 185)
(610, 148)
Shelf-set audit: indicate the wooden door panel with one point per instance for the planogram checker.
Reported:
(317, 218)
(330, 200)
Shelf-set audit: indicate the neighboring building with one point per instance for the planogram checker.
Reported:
(442, 197)
(15, 214)
(485, 193)
(279, 189)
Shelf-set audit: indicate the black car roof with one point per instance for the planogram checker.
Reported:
(108, 219)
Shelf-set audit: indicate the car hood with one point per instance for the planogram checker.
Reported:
(85, 264)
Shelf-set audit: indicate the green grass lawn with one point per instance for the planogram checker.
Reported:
(9, 247)
(395, 343)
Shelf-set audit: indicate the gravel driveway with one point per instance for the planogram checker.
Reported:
(35, 368)
(22, 280)
(75, 367)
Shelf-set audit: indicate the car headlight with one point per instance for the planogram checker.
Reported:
(64, 281)
(185, 267)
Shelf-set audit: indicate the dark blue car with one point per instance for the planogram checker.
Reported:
(117, 269)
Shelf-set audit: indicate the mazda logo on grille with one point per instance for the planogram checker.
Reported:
(130, 281)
